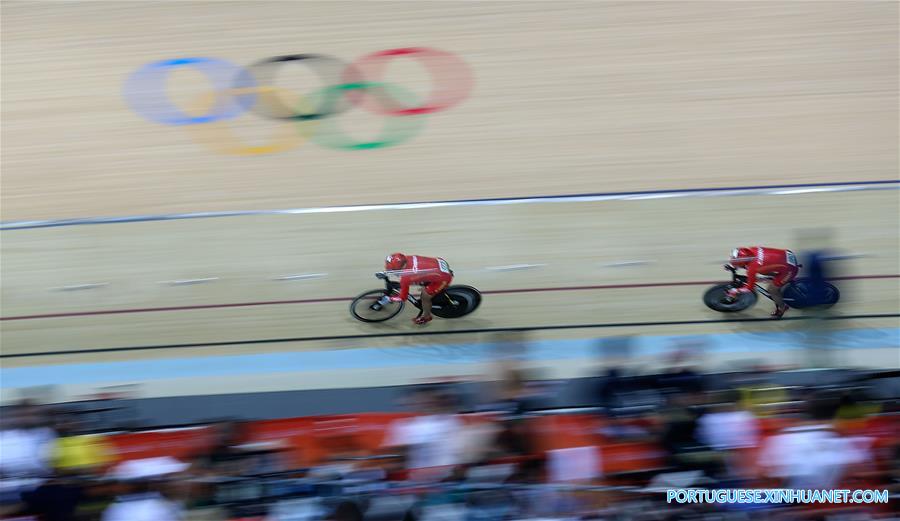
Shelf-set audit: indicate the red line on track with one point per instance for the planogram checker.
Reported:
(339, 299)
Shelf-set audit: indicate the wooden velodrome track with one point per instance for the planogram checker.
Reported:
(568, 97)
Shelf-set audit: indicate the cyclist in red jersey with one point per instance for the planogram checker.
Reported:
(779, 266)
(432, 273)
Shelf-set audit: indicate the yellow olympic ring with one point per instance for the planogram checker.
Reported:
(219, 137)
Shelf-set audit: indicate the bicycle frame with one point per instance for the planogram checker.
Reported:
(742, 279)
(392, 286)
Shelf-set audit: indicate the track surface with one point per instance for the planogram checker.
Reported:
(670, 249)
(568, 97)
(349, 299)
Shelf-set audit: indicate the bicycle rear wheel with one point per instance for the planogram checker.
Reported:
(369, 307)
(456, 301)
(800, 294)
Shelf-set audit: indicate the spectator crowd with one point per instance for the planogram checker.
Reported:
(503, 454)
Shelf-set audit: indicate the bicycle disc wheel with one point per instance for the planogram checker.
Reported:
(367, 307)
(465, 301)
(799, 295)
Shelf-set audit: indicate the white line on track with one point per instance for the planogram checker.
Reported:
(514, 267)
(185, 282)
(302, 276)
(625, 196)
(77, 287)
(623, 264)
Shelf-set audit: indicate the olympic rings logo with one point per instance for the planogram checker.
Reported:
(238, 90)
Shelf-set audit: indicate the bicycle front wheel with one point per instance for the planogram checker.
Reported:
(716, 299)
(370, 307)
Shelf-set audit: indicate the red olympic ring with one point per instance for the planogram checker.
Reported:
(450, 74)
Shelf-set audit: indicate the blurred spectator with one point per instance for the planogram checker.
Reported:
(728, 426)
(535, 500)
(26, 442)
(811, 455)
(681, 437)
(222, 457)
(141, 498)
(513, 403)
(56, 499)
(478, 440)
(731, 430)
(74, 453)
(229, 454)
(346, 511)
(516, 397)
(142, 504)
(428, 440)
(853, 405)
(575, 464)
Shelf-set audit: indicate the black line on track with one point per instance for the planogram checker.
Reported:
(430, 333)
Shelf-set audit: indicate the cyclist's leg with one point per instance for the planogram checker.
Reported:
(775, 293)
(431, 290)
(425, 299)
(779, 279)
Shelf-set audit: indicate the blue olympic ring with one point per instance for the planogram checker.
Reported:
(145, 91)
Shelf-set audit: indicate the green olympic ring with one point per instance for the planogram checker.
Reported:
(396, 130)
(327, 132)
